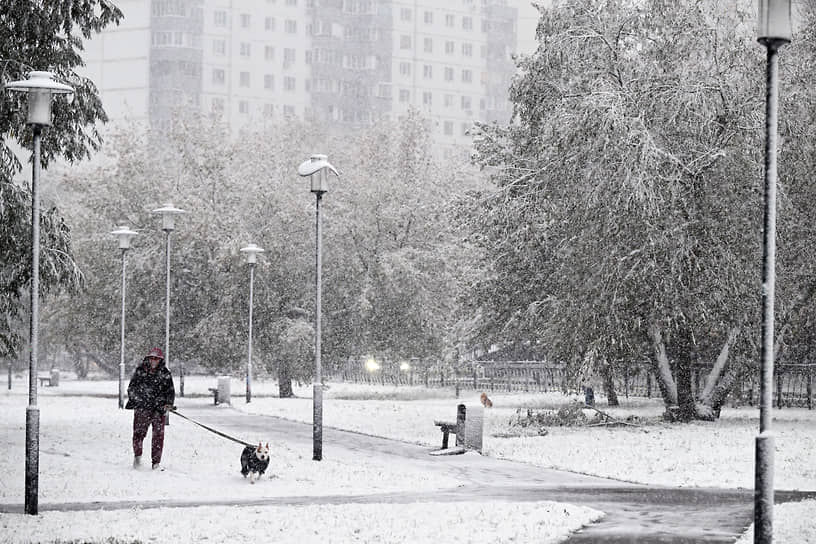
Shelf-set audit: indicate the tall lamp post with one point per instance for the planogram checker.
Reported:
(168, 213)
(251, 251)
(124, 234)
(40, 87)
(774, 32)
(318, 168)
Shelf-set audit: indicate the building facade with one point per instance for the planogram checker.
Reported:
(350, 62)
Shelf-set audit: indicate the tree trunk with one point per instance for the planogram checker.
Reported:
(684, 356)
(284, 381)
(662, 369)
(609, 386)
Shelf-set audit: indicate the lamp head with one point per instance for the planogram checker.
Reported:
(774, 21)
(124, 234)
(40, 87)
(318, 168)
(168, 213)
(251, 251)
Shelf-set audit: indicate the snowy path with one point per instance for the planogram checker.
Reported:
(635, 513)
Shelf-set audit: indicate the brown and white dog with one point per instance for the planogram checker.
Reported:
(486, 401)
(254, 461)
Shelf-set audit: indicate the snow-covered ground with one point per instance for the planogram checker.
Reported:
(80, 434)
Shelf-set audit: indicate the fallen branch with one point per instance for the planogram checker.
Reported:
(609, 420)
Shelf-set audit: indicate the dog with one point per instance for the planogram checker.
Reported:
(254, 461)
(486, 401)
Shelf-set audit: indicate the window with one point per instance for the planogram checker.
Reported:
(220, 18)
(485, 25)
(467, 76)
(449, 104)
(245, 20)
(219, 47)
(269, 109)
(466, 103)
(427, 98)
(404, 95)
(448, 73)
(243, 79)
(405, 68)
(269, 81)
(307, 57)
(427, 71)
(449, 19)
(405, 14)
(405, 42)
(290, 26)
(217, 105)
(245, 50)
(243, 106)
(428, 17)
(428, 45)
(289, 111)
(467, 23)
(218, 76)
(269, 23)
(289, 83)
(449, 46)
(288, 57)
(269, 52)
(465, 129)
(291, 2)
(467, 49)
(448, 128)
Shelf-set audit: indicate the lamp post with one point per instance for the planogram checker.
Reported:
(251, 251)
(40, 87)
(774, 32)
(317, 168)
(168, 213)
(124, 234)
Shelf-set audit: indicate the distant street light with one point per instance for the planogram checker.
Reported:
(318, 168)
(251, 251)
(40, 87)
(124, 234)
(774, 32)
(372, 365)
(168, 213)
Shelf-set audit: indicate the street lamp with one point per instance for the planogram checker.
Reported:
(124, 234)
(168, 213)
(40, 87)
(317, 167)
(774, 32)
(251, 251)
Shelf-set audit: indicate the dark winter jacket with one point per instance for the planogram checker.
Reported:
(151, 389)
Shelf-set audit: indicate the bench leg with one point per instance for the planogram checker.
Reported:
(444, 440)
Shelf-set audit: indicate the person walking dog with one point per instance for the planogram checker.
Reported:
(151, 394)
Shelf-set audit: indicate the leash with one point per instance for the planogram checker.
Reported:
(219, 433)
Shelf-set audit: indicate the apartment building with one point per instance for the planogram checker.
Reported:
(350, 62)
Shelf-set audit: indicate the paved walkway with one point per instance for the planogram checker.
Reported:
(634, 513)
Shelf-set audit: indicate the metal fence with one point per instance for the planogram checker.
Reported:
(793, 382)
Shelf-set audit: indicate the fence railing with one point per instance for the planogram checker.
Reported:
(793, 382)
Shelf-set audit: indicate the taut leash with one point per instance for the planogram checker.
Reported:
(219, 433)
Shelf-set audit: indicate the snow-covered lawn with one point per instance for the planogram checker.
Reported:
(85, 456)
(718, 454)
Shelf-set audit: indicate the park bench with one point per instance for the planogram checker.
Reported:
(468, 429)
(44, 380)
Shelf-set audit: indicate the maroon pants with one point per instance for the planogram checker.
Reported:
(142, 419)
